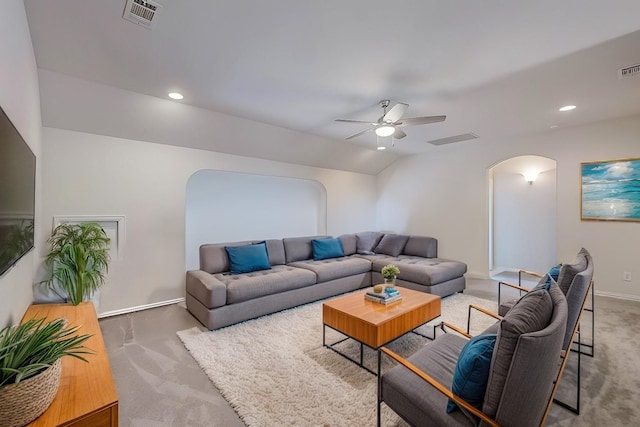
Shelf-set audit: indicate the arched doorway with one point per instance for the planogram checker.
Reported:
(522, 214)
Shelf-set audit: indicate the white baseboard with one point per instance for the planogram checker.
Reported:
(473, 275)
(139, 308)
(618, 296)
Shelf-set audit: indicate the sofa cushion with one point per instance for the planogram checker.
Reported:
(366, 241)
(335, 268)
(281, 278)
(418, 402)
(472, 371)
(426, 247)
(349, 243)
(531, 313)
(326, 248)
(245, 259)
(568, 271)
(299, 248)
(419, 270)
(275, 249)
(214, 258)
(391, 244)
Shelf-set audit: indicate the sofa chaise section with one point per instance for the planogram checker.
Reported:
(417, 259)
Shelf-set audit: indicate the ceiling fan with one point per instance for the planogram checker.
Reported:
(391, 122)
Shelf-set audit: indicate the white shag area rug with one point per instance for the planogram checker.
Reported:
(274, 370)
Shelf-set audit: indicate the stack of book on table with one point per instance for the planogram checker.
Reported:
(387, 296)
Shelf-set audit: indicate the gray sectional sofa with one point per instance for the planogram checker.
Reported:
(218, 298)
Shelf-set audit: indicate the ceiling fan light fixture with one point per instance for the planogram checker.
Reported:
(385, 130)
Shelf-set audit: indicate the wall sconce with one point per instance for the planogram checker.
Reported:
(530, 176)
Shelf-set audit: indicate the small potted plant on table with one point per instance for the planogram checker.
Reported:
(389, 273)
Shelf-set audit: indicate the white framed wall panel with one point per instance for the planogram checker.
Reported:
(113, 225)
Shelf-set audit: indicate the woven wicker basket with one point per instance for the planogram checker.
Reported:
(24, 402)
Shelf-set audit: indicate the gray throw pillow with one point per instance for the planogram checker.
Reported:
(531, 313)
(365, 242)
(568, 271)
(391, 244)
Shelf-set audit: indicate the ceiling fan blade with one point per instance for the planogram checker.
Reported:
(359, 133)
(355, 121)
(396, 112)
(399, 133)
(422, 120)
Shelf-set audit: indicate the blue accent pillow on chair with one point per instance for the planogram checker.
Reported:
(553, 273)
(245, 259)
(472, 371)
(327, 248)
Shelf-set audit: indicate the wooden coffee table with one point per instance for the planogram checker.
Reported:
(373, 324)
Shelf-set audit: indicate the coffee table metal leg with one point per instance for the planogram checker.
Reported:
(332, 347)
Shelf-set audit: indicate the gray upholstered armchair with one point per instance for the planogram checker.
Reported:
(523, 363)
(575, 280)
(565, 276)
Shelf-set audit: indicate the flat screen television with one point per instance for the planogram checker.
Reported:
(17, 194)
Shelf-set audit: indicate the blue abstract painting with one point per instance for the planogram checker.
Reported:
(611, 190)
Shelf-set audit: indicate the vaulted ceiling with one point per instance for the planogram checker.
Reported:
(496, 68)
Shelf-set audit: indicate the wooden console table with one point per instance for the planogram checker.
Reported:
(87, 394)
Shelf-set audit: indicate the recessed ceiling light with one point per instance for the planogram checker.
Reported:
(175, 95)
(554, 126)
(567, 108)
(382, 147)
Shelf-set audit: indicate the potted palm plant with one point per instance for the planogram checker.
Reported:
(79, 259)
(30, 365)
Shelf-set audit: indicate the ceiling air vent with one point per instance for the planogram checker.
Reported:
(142, 12)
(630, 71)
(452, 139)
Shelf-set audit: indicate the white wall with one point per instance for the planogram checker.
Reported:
(524, 219)
(225, 206)
(88, 174)
(20, 99)
(444, 195)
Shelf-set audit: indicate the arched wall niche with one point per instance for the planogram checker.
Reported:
(522, 214)
(223, 206)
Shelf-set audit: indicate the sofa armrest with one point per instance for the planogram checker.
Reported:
(210, 291)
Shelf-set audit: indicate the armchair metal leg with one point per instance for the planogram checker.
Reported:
(380, 385)
(584, 348)
(574, 409)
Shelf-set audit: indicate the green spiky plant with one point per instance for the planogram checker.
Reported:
(390, 271)
(33, 346)
(79, 259)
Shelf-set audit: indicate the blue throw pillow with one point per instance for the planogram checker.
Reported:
(245, 259)
(327, 248)
(472, 371)
(553, 273)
